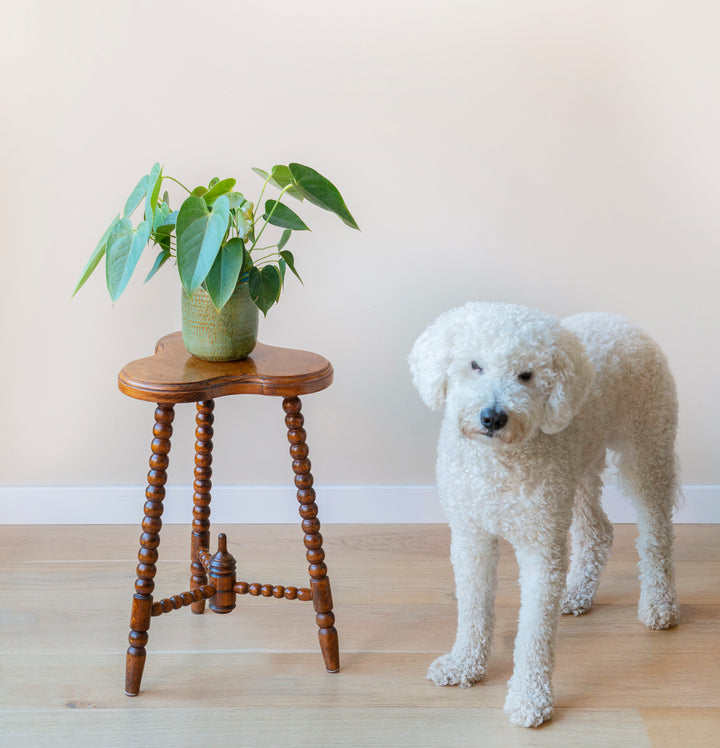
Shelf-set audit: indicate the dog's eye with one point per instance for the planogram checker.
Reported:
(476, 367)
(526, 376)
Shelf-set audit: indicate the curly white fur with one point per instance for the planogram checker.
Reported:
(531, 405)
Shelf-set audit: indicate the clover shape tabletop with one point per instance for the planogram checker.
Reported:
(172, 375)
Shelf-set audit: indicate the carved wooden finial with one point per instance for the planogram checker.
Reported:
(222, 577)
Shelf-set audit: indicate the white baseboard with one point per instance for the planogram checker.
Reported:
(109, 505)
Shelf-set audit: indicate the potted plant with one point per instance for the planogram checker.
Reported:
(226, 273)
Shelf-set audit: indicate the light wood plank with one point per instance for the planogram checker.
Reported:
(670, 728)
(296, 727)
(270, 678)
(409, 542)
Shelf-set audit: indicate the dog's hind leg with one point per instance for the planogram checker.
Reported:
(591, 536)
(649, 469)
(474, 555)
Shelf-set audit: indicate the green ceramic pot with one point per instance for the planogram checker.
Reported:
(227, 335)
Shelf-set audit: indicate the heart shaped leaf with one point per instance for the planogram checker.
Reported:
(200, 231)
(224, 274)
(219, 188)
(264, 286)
(277, 214)
(321, 192)
(124, 247)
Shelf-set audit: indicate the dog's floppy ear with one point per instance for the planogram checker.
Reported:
(430, 358)
(574, 378)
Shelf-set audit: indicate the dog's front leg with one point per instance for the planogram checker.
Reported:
(529, 700)
(474, 555)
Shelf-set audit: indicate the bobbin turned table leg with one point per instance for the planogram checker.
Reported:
(148, 555)
(201, 496)
(319, 582)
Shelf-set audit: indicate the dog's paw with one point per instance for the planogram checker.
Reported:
(576, 602)
(528, 706)
(450, 670)
(659, 612)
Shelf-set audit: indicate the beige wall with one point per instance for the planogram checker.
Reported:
(563, 155)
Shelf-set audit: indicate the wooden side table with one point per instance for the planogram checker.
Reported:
(173, 376)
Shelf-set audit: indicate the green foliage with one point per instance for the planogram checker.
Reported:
(124, 247)
(213, 235)
(225, 271)
(277, 214)
(265, 286)
(200, 231)
(319, 191)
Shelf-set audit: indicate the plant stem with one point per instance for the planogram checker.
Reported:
(267, 257)
(177, 182)
(277, 202)
(269, 246)
(262, 192)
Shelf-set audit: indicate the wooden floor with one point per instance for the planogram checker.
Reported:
(256, 678)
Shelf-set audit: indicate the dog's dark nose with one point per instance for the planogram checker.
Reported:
(492, 419)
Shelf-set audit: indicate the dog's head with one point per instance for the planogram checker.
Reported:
(504, 372)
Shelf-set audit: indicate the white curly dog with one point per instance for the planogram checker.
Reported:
(531, 406)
